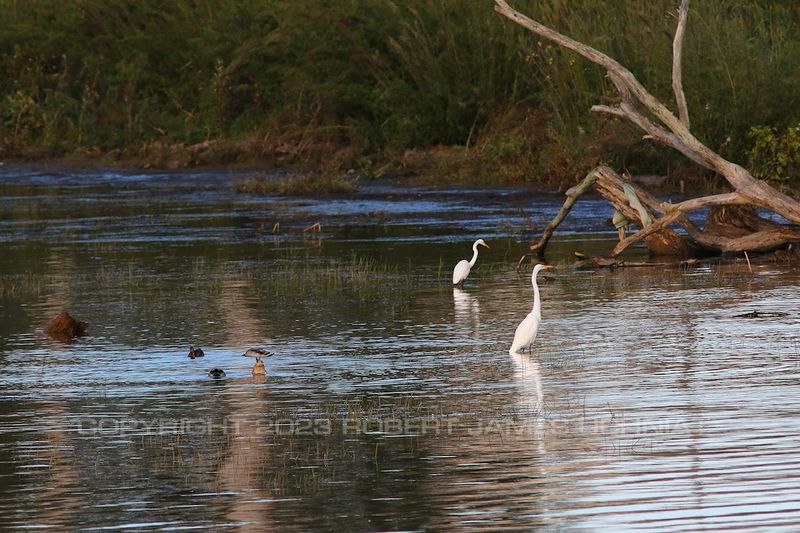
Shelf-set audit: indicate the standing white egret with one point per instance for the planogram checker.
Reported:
(526, 331)
(461, 271)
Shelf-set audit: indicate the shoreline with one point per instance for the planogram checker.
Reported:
(232, 156)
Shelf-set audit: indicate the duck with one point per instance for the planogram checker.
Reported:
(195, 352)
(258, 369)
(216, 373)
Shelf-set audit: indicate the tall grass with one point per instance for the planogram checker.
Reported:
(304, 78)
(739, 70)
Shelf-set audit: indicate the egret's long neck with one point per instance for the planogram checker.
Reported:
(474, 255)
(537, 303)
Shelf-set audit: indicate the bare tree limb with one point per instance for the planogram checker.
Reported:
(610, 109)
(673, 213)
(622, 78)
(615, 189)
(759, 241)
(654, 132)
(572, 196)
(671, 131)
(677, 52)
(730, 198)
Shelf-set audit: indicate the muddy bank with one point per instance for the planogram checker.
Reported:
(433, 166)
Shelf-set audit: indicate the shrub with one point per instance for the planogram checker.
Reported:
(775, 157)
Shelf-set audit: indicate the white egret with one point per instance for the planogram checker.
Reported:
(526, 331)
(461, 271)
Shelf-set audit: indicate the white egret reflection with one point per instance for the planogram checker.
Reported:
(467, 308)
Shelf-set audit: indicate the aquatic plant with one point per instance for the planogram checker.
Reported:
(21, 284)
(307, 185)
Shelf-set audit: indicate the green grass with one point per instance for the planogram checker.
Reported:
(324, 83)
(366, 280)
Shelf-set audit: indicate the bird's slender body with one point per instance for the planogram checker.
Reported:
(258, 353)
(258, 369)
(461, 271)
(529, 327)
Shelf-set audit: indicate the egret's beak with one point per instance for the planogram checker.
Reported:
(547, 266)
(486, 245)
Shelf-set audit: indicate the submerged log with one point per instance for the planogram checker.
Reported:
(733, 224)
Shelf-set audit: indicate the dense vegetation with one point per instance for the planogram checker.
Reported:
(445, 87)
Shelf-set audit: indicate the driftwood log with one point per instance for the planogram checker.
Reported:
(733, 224)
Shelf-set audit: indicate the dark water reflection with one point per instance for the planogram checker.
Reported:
(391, 402)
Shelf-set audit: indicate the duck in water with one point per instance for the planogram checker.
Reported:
(195, 352)
(258, 369)
(216, 373)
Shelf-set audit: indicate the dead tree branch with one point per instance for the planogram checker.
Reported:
(677, 52)
(660, 124)
(673, 213)
(572, 196)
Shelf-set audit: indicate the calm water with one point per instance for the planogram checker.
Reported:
(391, 402)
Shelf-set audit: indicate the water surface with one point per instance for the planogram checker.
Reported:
(391, 402)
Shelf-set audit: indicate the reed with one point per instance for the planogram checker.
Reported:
(308, 185)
